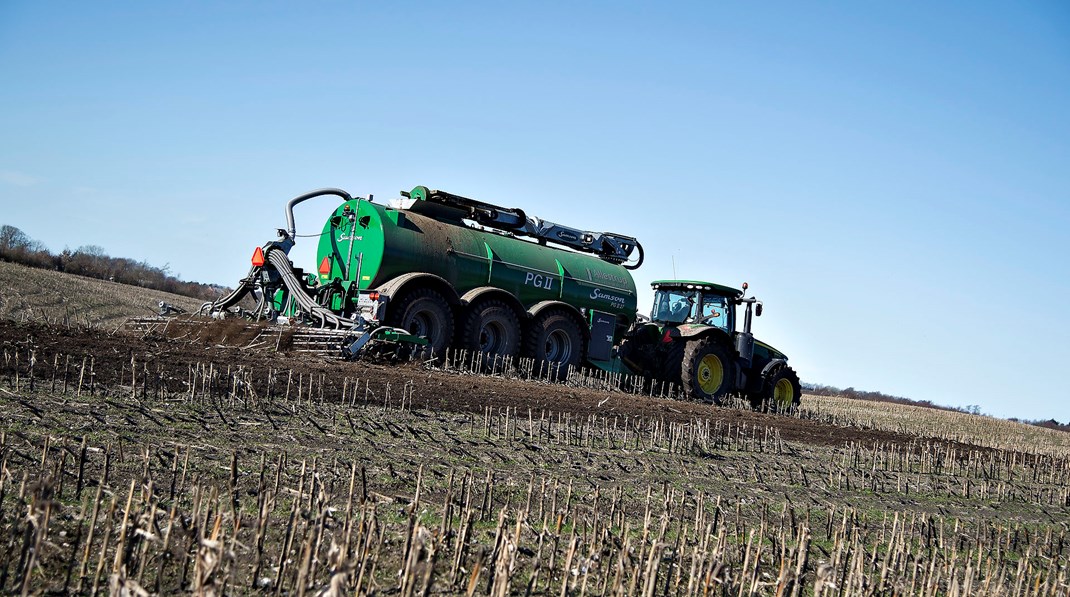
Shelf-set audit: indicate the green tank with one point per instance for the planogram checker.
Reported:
(453, 270)
(374, 245)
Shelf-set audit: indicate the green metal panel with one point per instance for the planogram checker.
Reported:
(766, 352)
(388, 242)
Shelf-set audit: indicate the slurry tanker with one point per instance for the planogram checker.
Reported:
(435, 270)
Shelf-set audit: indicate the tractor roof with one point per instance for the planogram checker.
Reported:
(696, 285)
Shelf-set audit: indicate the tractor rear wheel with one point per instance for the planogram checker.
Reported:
(781, 391)
(555, 342)
(423, 312)
(707, 372)
(491, 327)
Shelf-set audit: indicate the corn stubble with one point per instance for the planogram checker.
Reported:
(230, 482)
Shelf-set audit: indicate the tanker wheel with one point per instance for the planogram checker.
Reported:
(491, 327)
(423, 312)
(781, 391)
(555, 342)
(707, 372)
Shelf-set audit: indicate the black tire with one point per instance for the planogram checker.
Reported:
(555, 342)
(672, 362)
(492, 328)
(423, 312)
(666, 370)
(707, 373)
(781, 391)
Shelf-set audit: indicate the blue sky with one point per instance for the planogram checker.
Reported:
(892, 179)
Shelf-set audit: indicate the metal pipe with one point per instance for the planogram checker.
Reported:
(290, 226)
(360, 262)
(352, 240)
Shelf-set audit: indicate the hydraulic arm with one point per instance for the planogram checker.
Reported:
(609, 246)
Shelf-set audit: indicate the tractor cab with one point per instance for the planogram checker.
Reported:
(680, 302)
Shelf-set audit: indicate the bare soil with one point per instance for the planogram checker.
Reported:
(172, 359)
(220, 469)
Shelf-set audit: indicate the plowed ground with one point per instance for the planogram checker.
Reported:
(133, 462)
(172, 359)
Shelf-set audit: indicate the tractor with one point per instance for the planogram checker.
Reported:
(692, 338)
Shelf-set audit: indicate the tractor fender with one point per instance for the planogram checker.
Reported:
(688, 332)
(404, 282)
(539, 307)
(771, 365)
(477, 294)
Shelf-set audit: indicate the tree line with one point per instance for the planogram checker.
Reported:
(91, 261)
(973, 409)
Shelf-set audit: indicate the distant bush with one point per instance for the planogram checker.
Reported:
(973, 409)
(91, 261)
(1049, 424)
(823, 390)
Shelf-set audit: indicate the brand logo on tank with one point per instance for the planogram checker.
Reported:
(618, 280)
(597, 294)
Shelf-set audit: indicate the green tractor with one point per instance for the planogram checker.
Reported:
(692, 340)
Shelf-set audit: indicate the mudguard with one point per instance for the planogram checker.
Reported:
(483, 291)
(394, 287)
(689, 331)
(544, 305)
(773, 364)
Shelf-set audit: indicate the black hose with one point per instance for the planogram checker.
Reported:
(245, 286)
(261, 303)
(637, 263)
(307, 303)
(291, 227)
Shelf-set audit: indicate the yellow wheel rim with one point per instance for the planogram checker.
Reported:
(783, 393)
(710, 373)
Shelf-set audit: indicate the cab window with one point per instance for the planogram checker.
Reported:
(715, 311)
(672, 306)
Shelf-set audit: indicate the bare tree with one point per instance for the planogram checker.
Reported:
(12, 238)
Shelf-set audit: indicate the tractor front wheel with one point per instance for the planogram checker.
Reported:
(781, 391)
(707, 372)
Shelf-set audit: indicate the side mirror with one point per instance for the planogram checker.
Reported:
(758, 310)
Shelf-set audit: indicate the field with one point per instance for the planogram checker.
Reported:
(30, 294)
(139, 463)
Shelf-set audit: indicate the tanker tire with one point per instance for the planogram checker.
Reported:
(555, 342)
(707, 371)
(423, 312)
(781, 391)
(491, 327)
